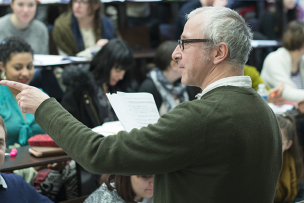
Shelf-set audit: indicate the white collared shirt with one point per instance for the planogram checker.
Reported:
(2, 182)
(237, 81)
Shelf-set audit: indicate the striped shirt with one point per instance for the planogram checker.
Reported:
(297, 79)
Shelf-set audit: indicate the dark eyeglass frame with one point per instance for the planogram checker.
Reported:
(181, 42)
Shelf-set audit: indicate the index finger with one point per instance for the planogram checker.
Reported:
(15, 85)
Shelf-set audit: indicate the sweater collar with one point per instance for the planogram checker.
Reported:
(2, 182)
(237, 81)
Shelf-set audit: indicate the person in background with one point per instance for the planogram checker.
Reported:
(190, 6)
(12, 187)
(275, 19)
(16, 64)
(123, 189)
(292, 173)
(163, 81)
(83, 30)
(110, 71)
(21, 23)
(286, 65)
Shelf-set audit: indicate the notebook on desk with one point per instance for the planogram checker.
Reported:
(46, 151)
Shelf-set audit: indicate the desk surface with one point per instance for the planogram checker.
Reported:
(24, 159)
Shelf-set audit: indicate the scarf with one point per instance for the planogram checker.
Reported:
(287, 188)
(167, 89)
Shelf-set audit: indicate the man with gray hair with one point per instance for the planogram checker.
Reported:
(224, 147)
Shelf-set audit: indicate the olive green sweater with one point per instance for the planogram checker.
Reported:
(225, 147)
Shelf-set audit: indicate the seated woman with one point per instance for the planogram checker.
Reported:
(289, 187)
(275, 19)
(82, 30)
(21, 23)
(16, 63)
(286, 65)
(163, 80)
(123, 189)
(85, 96)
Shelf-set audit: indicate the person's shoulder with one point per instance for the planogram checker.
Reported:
(12, 179)
(75, 76)
(103, 194)
(4, 19)
(65, 19)
(146, 85)
(281, 54)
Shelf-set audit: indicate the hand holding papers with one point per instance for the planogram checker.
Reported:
(134, 110)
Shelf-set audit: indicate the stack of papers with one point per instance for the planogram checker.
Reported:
(109, 128)
(134, 110)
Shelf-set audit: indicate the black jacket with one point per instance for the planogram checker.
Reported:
(77, 99)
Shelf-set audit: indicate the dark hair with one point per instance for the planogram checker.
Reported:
(115, 54)
(287, 125)
(283, 19)
(123, 186)
(163, 55)
(4, 128)
(293, 36)
(13, 45)
(97, 16)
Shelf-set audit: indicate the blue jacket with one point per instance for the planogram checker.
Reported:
(19, 191)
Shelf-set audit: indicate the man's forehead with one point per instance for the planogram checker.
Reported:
(193, 28)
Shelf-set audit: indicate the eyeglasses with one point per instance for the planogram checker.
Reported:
(81, 2)
(181, 42)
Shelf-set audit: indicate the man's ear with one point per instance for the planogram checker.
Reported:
(289, 144)
(221, 52)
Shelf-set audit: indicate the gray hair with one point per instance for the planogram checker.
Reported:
(225, 25)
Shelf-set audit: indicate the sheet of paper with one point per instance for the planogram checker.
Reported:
(280, 109)
(109, 128)
(134, 110)
(49, 60)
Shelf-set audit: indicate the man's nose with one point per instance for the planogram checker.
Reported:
(176, 55)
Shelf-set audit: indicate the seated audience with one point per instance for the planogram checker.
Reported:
(275, 19)
(163, 81)
(286, 65)
(21, 23)
(83, 30)
(16, 64)
(12, 187)
(292, 173)
(190, 6)
(85, 97)
(123, 189)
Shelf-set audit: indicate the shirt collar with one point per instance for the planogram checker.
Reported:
(237, 81)
(2, 182)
